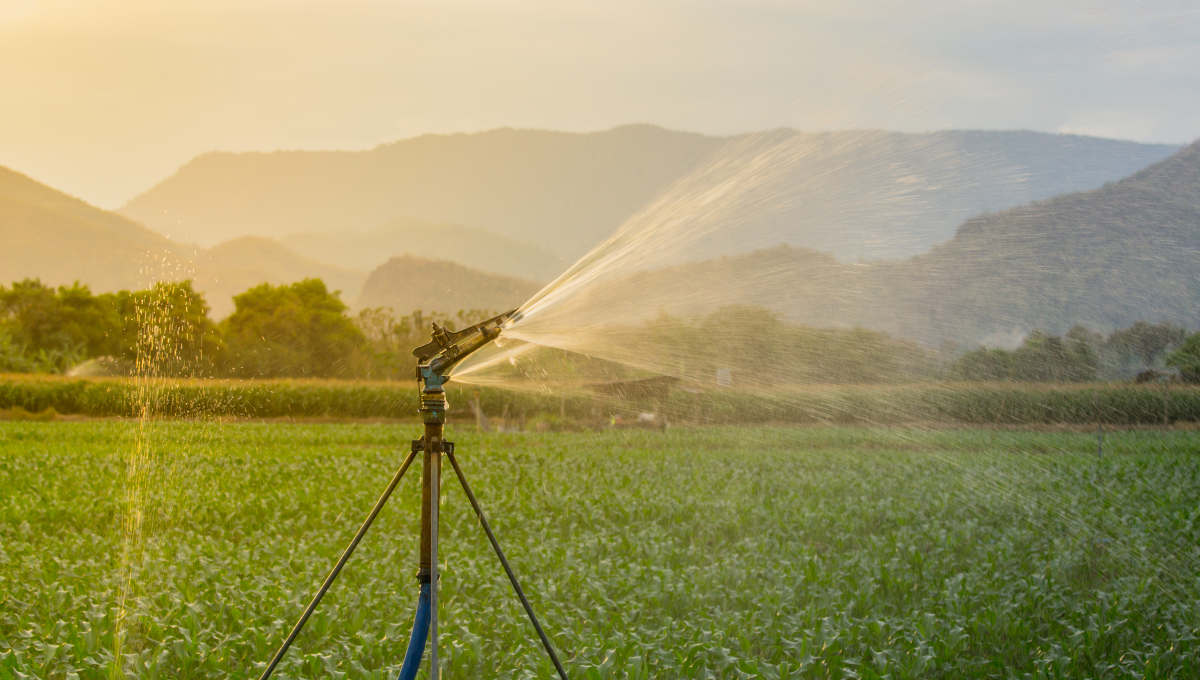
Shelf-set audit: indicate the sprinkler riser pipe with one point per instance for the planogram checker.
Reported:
(433, 407)
(433, 414)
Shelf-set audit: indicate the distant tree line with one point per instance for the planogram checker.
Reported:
(735, 345)
(294, 330)
(754, 346)
(305, 330)
(1143, 349)
(48, 330)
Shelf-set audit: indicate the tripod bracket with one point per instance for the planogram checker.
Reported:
(439, 446)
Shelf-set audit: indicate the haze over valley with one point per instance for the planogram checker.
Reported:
(494, 216)
(1104, 259)
(566, 192)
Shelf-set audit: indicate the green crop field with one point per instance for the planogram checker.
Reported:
(175, 549)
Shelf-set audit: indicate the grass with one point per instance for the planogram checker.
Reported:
(695, 553)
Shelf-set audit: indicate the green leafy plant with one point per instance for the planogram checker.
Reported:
(693, 553)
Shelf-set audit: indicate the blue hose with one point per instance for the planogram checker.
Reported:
(420, 633)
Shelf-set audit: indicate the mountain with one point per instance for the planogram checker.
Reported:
(559, 190)
(409, 283)
(18, 187)
(59, 248)
(475, 248)
(49, 235)
(59, 239)
(870, 194)
(1127, 252)
(239, 264)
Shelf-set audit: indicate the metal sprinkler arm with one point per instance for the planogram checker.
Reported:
(448, 348)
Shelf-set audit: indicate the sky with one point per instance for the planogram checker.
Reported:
(104, 98)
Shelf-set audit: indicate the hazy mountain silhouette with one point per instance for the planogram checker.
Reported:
(248, 261)
(49, 235)
(566, 192)
(555, 189)
(409, 283)
(1126, 252)
(18, 187)
(59, 248)
(59, 239)
(472, 247)
(1107, 258)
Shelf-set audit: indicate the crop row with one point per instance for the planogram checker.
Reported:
(968, 403)
(972, 403)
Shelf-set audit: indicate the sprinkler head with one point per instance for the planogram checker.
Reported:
(447, 348)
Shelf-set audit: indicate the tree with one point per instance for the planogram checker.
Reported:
(54, 329)
(165, 331)
(15, 359)
(1083, 347)
(290, 331)
(984, 364)
(1046, 358)
(1144, 343)
(1041, 358)
(1187, 359)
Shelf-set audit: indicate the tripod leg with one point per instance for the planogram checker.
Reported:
(338, 567)
(507, 569)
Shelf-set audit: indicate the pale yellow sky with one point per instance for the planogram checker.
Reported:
(103, 98)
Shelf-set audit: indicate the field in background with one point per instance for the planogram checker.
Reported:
(1118, 404)
(708, 552)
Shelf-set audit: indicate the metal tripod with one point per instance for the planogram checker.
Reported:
(433, 446)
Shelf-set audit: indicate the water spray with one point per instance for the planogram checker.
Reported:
(437, 358)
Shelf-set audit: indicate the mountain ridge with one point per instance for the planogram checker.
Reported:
(407, 283)
(20, 187)
(475, 248)
(1107, 257)
(566, 192)
(60, 240)
(473, 182)
(1126, 252)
